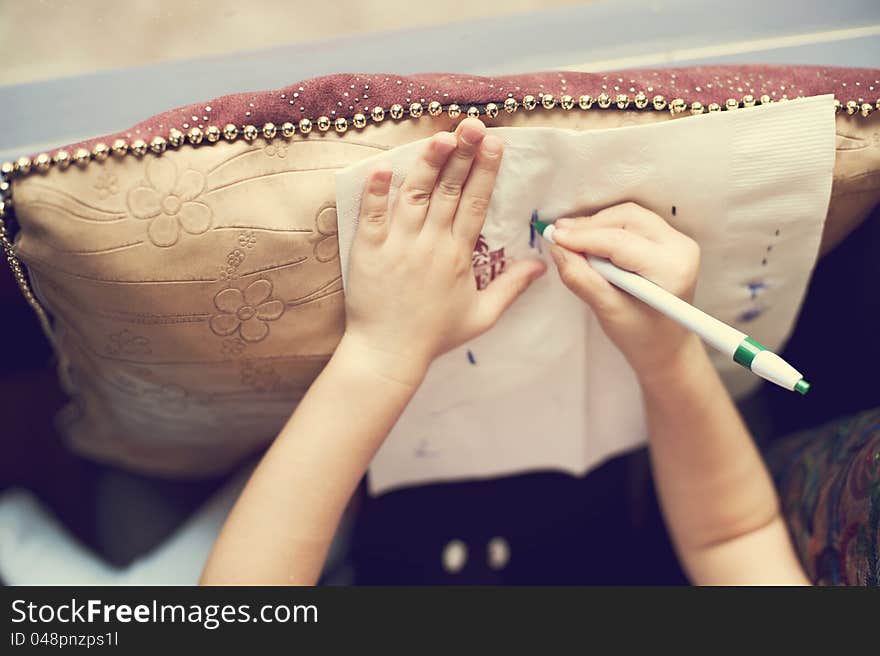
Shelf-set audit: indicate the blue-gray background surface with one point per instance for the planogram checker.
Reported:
(47, 114)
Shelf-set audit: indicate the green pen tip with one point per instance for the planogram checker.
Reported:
(802, 386)
(540, 226)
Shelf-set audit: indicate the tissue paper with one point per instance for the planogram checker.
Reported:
(545, 389)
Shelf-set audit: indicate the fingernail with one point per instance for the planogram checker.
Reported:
(492, 145)
(561, 232)
(379, 181)
(472, 134)
(562, 223)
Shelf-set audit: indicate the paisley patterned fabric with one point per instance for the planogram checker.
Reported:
(829, 483)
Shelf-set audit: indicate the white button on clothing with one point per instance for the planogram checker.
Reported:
(498, 553)
(455, 555)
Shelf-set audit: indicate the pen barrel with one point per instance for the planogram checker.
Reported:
(714, 332)
(734, 343)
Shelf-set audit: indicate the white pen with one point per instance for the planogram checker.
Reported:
(734, 343)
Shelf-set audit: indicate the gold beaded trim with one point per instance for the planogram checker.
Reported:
(18, 270)
(62, 159)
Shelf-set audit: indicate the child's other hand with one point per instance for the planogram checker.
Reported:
(412, 294)
(637, 240)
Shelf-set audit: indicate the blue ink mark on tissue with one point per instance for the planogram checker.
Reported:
(751, 314)
(471, 357)
(673, 210)
(534, 238)
(422, 450)
(756, 287)
(532, 232)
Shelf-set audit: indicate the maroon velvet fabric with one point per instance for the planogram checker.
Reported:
(346, 94)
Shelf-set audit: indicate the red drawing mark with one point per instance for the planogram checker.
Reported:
(488, 264)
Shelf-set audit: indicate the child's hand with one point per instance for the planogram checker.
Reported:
(638, 240)
(412, 294)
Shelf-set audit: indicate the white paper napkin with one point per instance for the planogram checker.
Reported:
(545, 389)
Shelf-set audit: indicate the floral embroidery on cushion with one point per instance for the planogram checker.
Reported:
(233, 346)
(169, 202)
(247, 239)
(275, 149)
(246, 312)
(106, 185)
(260, 377)
(326, 243)
(128, 343)
(235, 257)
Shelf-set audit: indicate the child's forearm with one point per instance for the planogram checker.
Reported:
(411, 295)
(280, 529)
(717, 496)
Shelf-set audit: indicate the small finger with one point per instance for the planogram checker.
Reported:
(626, 216)
(576, 274)
(628, 250)
(413, 198)
(477, 193)
(446, 195)
(373, 215)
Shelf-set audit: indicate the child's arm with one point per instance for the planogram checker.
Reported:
(717, 497)
(411, 296)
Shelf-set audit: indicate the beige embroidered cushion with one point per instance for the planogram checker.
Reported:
(195, 292)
